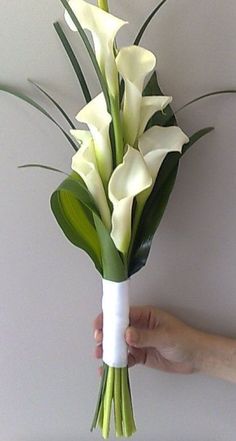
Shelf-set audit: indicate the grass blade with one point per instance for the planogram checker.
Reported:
(74, 61)
(206, 95)
(33, 103)
(54, 102)
(46, 167)
(146, 23)
(89, 49)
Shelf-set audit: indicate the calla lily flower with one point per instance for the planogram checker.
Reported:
(95, 115)
(133, 64)
(128, 180)
(104, 27)
(154, 145)
(84, 163)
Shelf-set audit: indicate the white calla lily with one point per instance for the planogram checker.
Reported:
(154, 145)
(84, 163)
(133, 64)
(127, 181)
(104, 27)
(95, 115)
(149, 106)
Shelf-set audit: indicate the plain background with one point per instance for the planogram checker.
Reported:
(50, 292)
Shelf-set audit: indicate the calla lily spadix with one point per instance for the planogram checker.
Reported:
(128, 180)
(133, 64)
(154, 145)
(104, 27)
(84, 163)
(95, 115)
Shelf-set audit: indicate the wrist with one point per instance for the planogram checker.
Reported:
(215, 356)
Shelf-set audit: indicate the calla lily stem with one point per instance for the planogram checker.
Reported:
(119, 143)
(103, 4)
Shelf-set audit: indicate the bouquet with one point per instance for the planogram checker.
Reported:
(124, 168)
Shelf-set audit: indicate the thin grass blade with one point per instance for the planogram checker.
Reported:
(146, 23)
(33, 103)
(46, 167)
(54, 102)
(74, 61)
(206, 95)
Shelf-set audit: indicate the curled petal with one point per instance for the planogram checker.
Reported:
(133, 63)
(149, 106)
(81, 136)
(95, 115)
(128, 180)
(104, 27)
(154, 145)
(84, 163)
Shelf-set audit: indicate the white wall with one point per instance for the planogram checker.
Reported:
(50, 292)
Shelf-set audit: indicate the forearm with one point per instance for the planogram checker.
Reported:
(216, 356)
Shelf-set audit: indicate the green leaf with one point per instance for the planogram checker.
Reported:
(54, 102)
(206, 95)
(46, 167)
(156, 204)
(89, 49)
(68, 203)
(165, 118)
(147, 21)
(28, 100)
(74, 61)
(74, 218)
(113, 266)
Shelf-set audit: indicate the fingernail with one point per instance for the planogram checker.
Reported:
(132, 336)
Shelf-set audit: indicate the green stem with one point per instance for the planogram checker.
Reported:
(103, 4)
(108, 402)
(117, 403)
(117, 127)
(97, 413)
(127, 412)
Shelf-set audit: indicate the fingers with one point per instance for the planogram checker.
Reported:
(144, 316)
(98, 322)
(141, 338)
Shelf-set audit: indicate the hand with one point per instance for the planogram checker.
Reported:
(158, 340)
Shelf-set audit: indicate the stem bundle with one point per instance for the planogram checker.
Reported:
(115, 392)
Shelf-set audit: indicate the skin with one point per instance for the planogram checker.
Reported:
(159, 340)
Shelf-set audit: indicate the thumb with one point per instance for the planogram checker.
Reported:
(141, 338)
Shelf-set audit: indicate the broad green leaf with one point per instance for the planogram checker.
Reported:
(46, 167)
(156, 204)
(147, 21)
(165, 118)
(206, 95)
(28, 100)
(89, 49)
(67, 202)
(74, 61)
(75, 219)
(113, 266)
(54, 102)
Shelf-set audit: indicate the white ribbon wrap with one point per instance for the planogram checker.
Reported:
(115, 306)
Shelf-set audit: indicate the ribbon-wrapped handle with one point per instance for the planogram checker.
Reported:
(115, 306)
